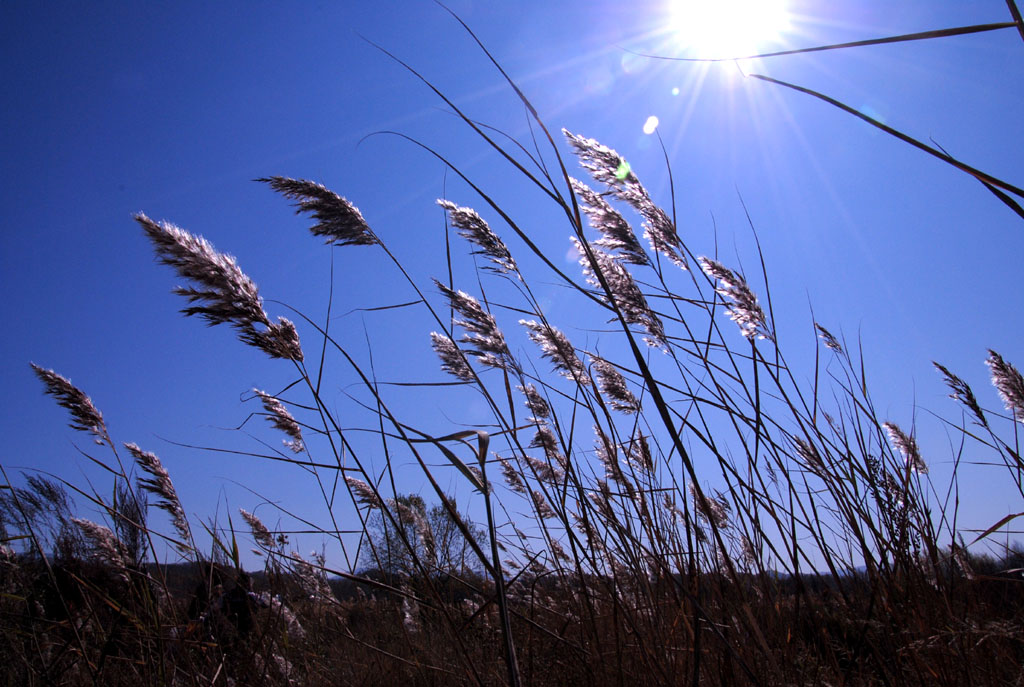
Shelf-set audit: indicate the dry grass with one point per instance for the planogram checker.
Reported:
(675, 508)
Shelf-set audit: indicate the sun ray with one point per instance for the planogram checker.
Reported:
(728, 28)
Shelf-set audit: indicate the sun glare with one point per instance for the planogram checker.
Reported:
(728, 28)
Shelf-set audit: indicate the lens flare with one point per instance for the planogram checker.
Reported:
(728, 28)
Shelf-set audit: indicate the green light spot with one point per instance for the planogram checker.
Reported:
(623, 171)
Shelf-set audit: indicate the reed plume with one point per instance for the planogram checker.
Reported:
(159, 484)
(638, 453)
(606, 452)
(338, 220)
(555, 346)
(311, 578)
(828, 339)
(535, 403)
(544, 472)
(623, 289)
(363, 492)
(1008, 383)
(613, 384)
(608, 167)
(809, 455)
(742, 306)
(452, 360)
(474, 229)
(661, 233)
(962, 392)
(108, 548)
(544, 511)
(411, 616)
(545, 439)
(85, 416)
(714, 509)
(414, 516)
(279, 416)
(512, 478)
(482, 332)
(260, 533)
(616, 234)
(804, 568)
(225, 294)
(279, 610)
(279, 340)
(907, 446)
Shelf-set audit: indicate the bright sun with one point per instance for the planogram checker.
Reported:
(728, 28)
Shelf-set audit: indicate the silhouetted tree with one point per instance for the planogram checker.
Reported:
(437, 543)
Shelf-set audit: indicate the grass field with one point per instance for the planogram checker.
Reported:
(663, 500)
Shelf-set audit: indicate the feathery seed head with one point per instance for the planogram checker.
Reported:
(906, 445)
(84, 414)
(602, 500)
(713, 509)
(608, 455)
(719, 509)
(809, 455)
(613, 384)
(284, 667)
(545, 439)
(474, 229)
(616, 234)
(224, 294)
(425, 534)
(558, 553)
(280, 340)
(661, 233)
(962, 562)
(535, 402)
(541, 504)
(230, 294)
(555, 346)
(160, 485)
(312, 579)
(363, 492)
(830, 341)
(338, 220)
(478, 479)
(962, 392)
(411, 616)
(511, 476)
(279, 610)
(742, 306)
(669, 504)
(639, 453)
(543, 471)
(1008, 383)
(452, 360)
(260, 532)
(481, 329)
(606, 167)
(411, 515)
(108, 547)
(747, 554)
(623, 289)
(279, 416)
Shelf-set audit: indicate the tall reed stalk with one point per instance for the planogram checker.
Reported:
(675, 505)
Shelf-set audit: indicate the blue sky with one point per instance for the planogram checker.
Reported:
(173, 108)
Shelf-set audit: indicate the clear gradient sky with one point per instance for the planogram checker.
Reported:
(112, 108)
